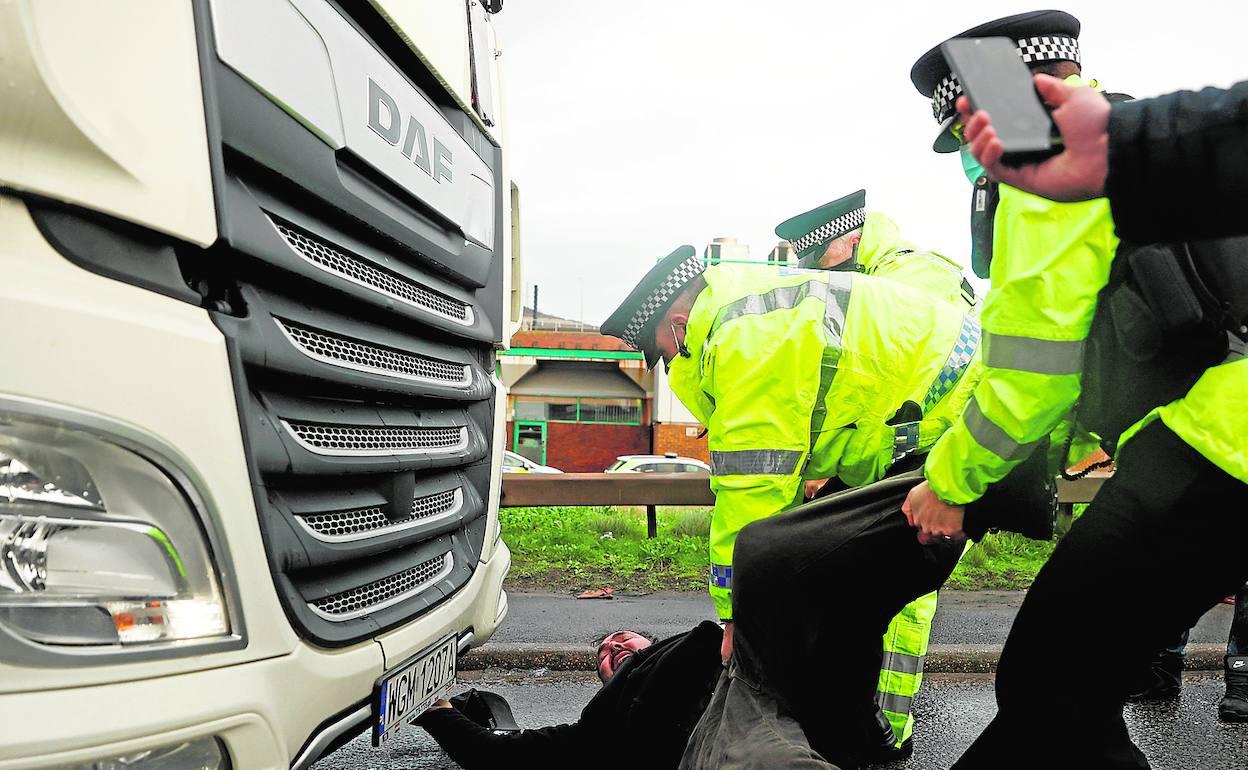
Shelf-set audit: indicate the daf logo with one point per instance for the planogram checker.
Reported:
(415, 143)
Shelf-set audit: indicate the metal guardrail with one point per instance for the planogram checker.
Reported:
(522, 490)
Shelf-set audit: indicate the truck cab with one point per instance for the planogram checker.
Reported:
(258, 262)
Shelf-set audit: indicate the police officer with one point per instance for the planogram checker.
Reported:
(844, 236)
(1181, 469)
(1048, 42)
(802, 374)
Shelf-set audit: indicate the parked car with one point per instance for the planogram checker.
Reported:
(514, 463)
(665, 463)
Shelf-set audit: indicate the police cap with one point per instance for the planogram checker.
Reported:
(1042, 36)
(635, 320)
(812, 231)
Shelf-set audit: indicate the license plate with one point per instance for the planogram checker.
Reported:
(406, 692)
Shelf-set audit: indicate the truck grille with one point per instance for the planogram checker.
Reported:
(371, 522)
(342, 440)
(384, 592)
(341, 351)
(361, 319)
(353, 268)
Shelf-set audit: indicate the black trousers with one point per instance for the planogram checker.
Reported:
(813, 592)
(1166, 524)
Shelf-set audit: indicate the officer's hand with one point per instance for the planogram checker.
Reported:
(812, 487)
(725, 647)
(936, 520)
(1078, 172)
(441, 703)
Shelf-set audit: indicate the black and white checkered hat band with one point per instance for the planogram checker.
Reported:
(659, 298)
(845, 223)
(1031, 49)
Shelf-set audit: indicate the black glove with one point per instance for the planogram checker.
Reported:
(488, 709)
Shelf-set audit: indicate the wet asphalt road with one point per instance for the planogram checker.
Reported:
(962, 617)
(951, 711)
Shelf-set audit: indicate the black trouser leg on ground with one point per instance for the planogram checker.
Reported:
(1161, 525)
(813, 592)
(1237, 643)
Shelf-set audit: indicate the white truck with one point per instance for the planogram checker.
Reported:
(256, 261)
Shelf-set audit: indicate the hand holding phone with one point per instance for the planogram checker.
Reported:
(995, 79)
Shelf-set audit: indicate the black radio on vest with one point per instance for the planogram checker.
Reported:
(1168, 313)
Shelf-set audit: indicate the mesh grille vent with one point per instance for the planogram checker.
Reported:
(334, 439)
(329, 258)
(360, 355)
(344, 523)
(369, 521)
(432, 505)
(388, 590)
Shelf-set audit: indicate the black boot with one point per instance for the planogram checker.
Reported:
(1163, 679)
(1234, 705)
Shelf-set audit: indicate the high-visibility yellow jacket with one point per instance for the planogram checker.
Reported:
(1050, 262)
(883, 253)
(795, 374)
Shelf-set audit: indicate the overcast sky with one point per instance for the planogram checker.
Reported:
(635, 127)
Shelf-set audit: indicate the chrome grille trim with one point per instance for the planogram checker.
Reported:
(363, 523)
(383, 593)
(353, 354)
(371, 441)
(331, 259)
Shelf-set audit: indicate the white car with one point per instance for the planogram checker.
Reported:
(665, 463)
(514, 463)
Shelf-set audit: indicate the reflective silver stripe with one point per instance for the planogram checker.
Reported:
(991, 436)
(1028, 354)
(773, 462)
(897, 704)
(837, 301)
(833, 291)
(901, 663)
(827, 371)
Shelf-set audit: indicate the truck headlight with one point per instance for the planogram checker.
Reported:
(98, 546)
(199, 754)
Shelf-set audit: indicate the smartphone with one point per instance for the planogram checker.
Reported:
(995, 79)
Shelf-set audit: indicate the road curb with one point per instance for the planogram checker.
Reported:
(941, 658)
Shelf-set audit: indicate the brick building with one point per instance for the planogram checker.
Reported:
(577, 399)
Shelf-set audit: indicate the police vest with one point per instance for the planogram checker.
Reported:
(1167, 313)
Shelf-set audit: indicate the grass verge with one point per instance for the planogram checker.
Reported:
(573, 549)
(562, 550)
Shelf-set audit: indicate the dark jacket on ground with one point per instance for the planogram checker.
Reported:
(1178, 166)
(642, 717)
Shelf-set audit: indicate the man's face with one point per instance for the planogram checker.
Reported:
(839, 251)
(665, 337)
(669, 334)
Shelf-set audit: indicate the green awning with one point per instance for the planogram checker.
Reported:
(587, 379)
